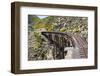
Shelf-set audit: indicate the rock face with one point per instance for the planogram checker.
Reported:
(50, 55)
(72, 53)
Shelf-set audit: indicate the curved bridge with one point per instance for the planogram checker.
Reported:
(63, 42)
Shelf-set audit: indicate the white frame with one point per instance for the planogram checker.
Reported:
(25, 64)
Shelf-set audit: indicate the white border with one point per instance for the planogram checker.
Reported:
(25, 64)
